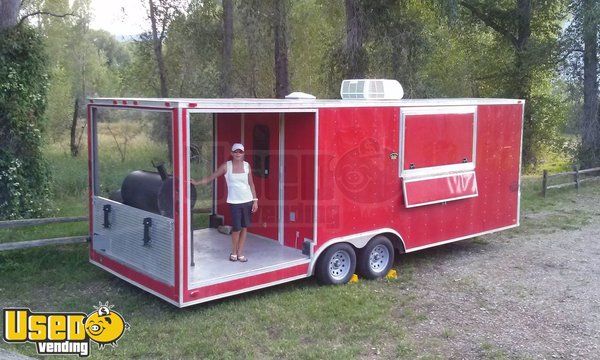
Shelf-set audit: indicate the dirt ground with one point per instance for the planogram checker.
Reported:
(531, 292)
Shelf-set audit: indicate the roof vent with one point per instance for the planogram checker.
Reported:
(300, 95)
(371, 89)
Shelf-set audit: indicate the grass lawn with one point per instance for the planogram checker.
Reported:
(300, 319)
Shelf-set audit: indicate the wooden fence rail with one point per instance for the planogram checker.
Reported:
(55, 241)
(32, 222)
(577, 179)
(41, 242)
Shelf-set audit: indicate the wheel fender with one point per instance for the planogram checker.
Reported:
(358, 240)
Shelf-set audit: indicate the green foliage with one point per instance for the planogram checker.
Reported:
(314, 19)
(195, 61)
(24, 174)
(253, 52)
(139, 78)
(82, 62)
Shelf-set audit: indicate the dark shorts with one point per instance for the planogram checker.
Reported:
(240, 214)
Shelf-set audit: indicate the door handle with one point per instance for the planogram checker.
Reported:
(106, 209)
(147, 226)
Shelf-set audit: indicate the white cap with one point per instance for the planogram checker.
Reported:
(237, 146)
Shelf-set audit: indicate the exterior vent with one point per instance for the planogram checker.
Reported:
(300, 95)
(371, 89)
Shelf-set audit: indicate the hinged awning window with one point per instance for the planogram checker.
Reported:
(438, 147)
(449, 187)
(436, 140)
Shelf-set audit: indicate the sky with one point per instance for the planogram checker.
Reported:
(119, 17)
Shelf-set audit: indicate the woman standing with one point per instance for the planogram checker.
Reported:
(241, 197)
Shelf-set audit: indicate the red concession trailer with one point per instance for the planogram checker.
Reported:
(343, 186)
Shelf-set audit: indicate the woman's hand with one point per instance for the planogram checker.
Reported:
(254, 206)
(198, 182)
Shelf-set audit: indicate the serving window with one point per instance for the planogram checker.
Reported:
(438, 154)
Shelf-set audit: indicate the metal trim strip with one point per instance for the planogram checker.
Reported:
(259, 271)
(409, 173)
(184, 184)
(241, 291)
(461, 238)
(277, 104)
(281, 188)
(520, 165)
(316, 184)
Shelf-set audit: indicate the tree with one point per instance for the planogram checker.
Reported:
(514, 23)
(9, 13)
(160, 17)
(160, 14)
(282, 82)
(590, 124)
(24, 184)
(396, 42)
(356, 57)
(227, 56)
(253, 50)
(194, 63)
(83, 62)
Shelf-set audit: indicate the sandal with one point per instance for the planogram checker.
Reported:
(233, 257)
(242, 258)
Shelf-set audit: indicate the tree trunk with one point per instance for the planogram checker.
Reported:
(157, 42)
(355, 54)
(227, 49)
(9, 13)
(74, 144)
(282, 83)
(590, 128)
(523, 77)
(162, 73)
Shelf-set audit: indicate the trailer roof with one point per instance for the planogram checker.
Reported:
(281, 104)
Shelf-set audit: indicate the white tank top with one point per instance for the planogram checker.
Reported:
(238, 188)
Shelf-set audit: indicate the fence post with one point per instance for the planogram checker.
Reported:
(576, 176)
(544, 183)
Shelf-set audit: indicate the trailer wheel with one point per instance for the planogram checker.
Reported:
(376, 259)
(336, 265)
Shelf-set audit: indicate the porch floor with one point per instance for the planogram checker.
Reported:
(211, 258)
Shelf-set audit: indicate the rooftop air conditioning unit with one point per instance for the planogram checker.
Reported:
(371, 89)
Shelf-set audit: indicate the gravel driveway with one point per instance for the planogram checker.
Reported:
(533, 292)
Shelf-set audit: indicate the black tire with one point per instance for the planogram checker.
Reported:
(376, 259)
(336, 265)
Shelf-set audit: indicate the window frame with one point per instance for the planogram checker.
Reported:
(438, 169)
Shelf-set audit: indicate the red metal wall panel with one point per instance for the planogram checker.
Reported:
(299, 174)
(360, 190)
(265, 220)
(438, 139)
(358, 185)
(498, 158)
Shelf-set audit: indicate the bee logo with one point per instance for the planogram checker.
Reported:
(105, 326)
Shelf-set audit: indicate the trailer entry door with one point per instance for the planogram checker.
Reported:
(438, 154)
